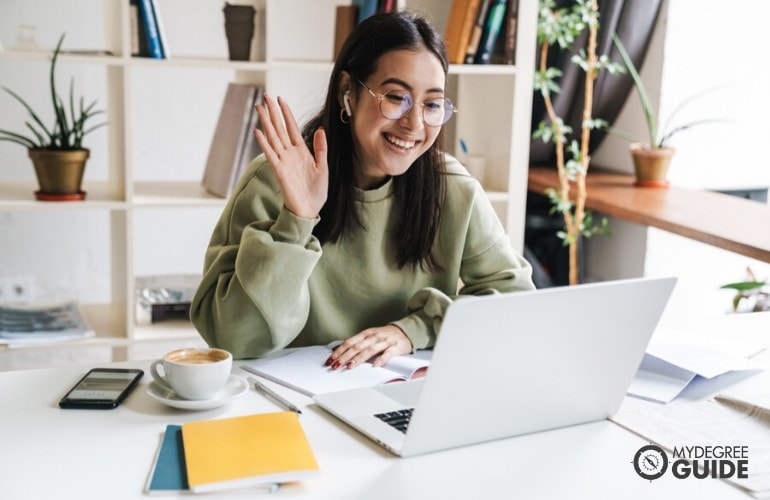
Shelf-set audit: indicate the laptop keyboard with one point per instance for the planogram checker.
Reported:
(398, 419)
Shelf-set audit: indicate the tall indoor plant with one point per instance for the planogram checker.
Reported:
(57, 152)
(562, 27)
(652, 157)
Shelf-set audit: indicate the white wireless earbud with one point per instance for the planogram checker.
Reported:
(346, 101)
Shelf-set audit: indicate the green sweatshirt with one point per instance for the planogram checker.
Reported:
(268, 283)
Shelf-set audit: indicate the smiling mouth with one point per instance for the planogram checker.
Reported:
(405, 145)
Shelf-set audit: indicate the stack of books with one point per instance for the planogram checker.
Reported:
(482, 32)
(255, 452)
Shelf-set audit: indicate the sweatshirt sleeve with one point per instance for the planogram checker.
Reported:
(253, 297)
(476, 245)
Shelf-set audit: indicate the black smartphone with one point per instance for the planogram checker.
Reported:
(102, 388)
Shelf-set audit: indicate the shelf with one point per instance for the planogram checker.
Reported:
(21, 196)
(45, 56)
(482, 69)
(723, 221)
(198, 62)
(174, 194)
(166, 330)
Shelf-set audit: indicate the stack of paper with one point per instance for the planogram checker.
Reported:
(727, 420)
(253, 451)
(670, 365)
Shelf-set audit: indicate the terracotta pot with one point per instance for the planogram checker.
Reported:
(59, 173)
(651, 165)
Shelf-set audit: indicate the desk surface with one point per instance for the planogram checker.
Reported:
(717, 219)
(46, 452)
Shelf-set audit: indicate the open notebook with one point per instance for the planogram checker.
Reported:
(303, 370)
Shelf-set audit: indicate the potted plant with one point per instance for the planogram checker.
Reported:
(57, 152)
(753, 293)
(652, 158)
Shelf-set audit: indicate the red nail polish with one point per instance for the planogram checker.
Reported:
(328, 361)
(336, 365)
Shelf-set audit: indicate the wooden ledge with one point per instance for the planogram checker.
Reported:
(734, 224)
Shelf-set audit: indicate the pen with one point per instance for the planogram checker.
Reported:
(264, 390)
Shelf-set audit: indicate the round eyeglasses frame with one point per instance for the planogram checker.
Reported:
(449, 108)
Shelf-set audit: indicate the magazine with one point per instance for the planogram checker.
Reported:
(31, 325)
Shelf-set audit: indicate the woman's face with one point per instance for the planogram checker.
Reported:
(384, 147)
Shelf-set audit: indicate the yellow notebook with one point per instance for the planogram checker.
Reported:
(246, 451)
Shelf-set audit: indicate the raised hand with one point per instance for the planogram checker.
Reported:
(304, 178)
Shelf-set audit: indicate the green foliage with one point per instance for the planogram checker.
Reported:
(562, 27)
(657, 137)
(753, 291)
(68, 130)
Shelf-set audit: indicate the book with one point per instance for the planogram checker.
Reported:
(161, 29)
(344, 22)
(233, 128)
(459, 28)
(303, 370)
(386, 6)
(168, 473)
(137, 34)
(366, 8)
(133, 21)
(478, 30)
(22, 326)
(150, 24)
(507, 53)
(246, 451)
(491, 32)
(250, 148)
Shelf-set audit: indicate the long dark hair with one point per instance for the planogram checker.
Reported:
(420, 192)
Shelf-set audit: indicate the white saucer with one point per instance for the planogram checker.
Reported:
(235, 387)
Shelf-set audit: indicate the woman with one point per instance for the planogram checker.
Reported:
(358, 228)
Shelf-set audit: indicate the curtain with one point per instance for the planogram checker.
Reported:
(633, 21)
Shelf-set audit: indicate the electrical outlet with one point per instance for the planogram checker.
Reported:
(16, 289)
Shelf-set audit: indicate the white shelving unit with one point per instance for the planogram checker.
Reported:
(139, 188)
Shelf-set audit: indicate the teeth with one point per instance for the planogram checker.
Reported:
(399, 142)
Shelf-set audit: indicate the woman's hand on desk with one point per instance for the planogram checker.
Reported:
(380, 344)
(304, 178)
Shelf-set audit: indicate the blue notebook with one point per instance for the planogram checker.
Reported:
(169, 473)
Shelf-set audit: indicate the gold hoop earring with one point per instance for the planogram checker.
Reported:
(344, 116)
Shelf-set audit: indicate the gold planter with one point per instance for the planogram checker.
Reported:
(59, 173)
(651, 165)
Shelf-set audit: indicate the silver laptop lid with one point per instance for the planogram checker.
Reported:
(523, 362)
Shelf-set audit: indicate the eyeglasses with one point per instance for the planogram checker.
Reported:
(396, 104)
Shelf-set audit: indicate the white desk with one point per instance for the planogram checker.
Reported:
(46, 452)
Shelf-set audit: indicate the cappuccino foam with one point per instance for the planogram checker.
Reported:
(196, 357)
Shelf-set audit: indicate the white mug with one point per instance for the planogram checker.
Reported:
(194, 373)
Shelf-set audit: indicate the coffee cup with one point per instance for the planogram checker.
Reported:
(193, 373)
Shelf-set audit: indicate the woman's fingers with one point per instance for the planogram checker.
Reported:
(293, 133)
(376, 344)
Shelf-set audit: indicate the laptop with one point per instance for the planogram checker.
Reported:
(511, 364)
